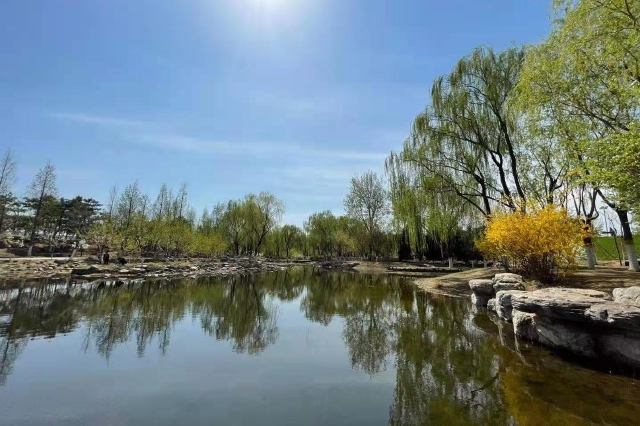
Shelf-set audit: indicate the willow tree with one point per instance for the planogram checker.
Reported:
(583, 84)
(263, 213)
(408, 204)
(469, 137)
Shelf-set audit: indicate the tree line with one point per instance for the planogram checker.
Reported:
(132, 223)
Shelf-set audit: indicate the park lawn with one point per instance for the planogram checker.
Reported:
(606, 249)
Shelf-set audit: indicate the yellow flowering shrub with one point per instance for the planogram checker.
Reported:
(541, 243)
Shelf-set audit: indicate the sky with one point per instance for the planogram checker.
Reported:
(231, 96)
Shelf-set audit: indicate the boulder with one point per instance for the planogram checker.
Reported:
(558, 303)
(85, 271)
(481, 300)
(566, 336)
(482, 286)
(524, 325)
(583, 322)
(508, 278)
(502, 286)
(628, 296)
(621, 348)
(503, 303)
(616, 315)
(491, 305)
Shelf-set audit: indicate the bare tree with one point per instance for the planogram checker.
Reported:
(367, 201)
(42, 187)
(7, 180)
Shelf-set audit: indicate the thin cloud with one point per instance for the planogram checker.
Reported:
(263, 148)
(149, 133)
(98, 120)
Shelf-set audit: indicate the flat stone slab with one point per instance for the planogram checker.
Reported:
(560, 303)
(628, 296)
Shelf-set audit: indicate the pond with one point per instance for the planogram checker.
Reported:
(292, 348)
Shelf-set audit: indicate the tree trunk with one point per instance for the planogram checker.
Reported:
(29, 250)
(75, 248)
(451, 262)
(627, 237)
(590, 252)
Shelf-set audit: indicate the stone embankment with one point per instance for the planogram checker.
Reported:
(589, 323)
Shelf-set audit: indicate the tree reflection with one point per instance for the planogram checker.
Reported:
(449, 369)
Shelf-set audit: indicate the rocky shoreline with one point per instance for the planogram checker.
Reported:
(19, 270)
(588, 323)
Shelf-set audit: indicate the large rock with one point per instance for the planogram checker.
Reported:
(628, 296)
(85, 271)
(621, 348)
(566, 336)
(555, 334)
(480, 300)
(503, 286)
(507, 278)
(482, 287)
(615, 315)
(558, 303)
(503, 303)
(491, 305)
(524, 325)
(583, 322)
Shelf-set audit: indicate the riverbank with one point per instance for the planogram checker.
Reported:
(603, 278)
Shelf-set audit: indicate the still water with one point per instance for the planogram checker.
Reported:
(296, 348)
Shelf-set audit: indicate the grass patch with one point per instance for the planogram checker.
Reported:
(606, 249)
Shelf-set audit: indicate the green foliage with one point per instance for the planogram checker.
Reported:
(131, 224)
(606, 248)
(616, 163)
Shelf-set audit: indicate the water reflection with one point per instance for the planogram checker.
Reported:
(451, 366)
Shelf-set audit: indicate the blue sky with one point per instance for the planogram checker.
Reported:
(231, 96)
